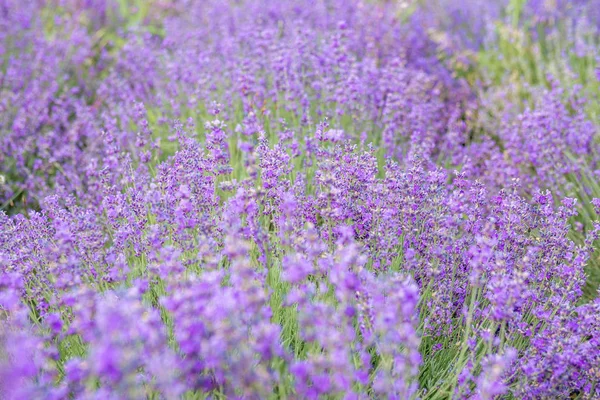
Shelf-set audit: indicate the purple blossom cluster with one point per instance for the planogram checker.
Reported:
(208, 199)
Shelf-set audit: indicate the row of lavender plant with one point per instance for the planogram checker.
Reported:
(275, 200)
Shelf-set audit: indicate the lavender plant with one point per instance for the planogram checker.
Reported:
(275, 200)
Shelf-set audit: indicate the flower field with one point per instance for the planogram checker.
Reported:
(292, 199)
